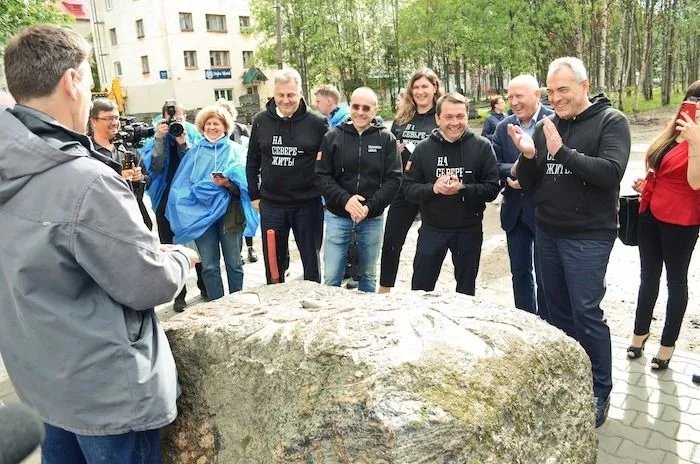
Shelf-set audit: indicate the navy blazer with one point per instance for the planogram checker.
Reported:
(514, 201)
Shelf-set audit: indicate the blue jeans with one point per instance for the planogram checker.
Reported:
(573, 277)
(63, 447)
(208, 245)
(521, 240)
(337, 243)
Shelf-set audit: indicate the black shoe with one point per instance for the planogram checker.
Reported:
(696, 378)
(252, 255)
(204, 294)
(179, 305)
(658, 364)
(635, 352)
(602, 405)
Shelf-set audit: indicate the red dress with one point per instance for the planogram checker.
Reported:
(667, 191)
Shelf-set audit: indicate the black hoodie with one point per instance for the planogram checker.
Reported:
(415, 130)
(282, 151)
(351, 163)
(470, 158)
(577, 189)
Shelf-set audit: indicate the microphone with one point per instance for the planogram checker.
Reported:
(21, 431)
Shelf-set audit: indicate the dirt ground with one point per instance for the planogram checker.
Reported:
(494, 281)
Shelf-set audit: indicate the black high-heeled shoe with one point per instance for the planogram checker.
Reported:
(658, 364)
(635, 352)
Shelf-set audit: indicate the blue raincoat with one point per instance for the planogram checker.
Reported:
(340, 116)
(195, 201)
(158, 179)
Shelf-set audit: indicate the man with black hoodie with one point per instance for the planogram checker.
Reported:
(283, 144)
(451, 175)
(359, 172)
(574, 162)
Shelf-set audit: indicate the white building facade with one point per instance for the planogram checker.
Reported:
(192, 51)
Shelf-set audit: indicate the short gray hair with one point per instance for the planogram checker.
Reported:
(283, 76)
(574, 64)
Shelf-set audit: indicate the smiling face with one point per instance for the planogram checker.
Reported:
(363, 108)
(423, 94)
(214, 128)
(287, 97)
(567, 96)
(452, 120)
(107, 124)
(524, 98)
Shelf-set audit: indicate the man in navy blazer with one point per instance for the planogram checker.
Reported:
(518, 205)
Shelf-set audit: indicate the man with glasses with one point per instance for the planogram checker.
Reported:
(104, 122)
(283, 144)
(359, 172)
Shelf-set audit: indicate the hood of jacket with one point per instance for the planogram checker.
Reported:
(298, 115)
(436, 135)
(349, 128)
(26, 132)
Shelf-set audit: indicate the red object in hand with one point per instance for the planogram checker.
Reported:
(272, 256)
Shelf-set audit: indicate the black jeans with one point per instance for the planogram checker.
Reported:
(669, 245)
(399, 219)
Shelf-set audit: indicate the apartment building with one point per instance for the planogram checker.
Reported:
(192, 51)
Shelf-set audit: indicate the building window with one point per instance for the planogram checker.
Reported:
(108, 4)
(117, 69)
(247, 58)
(244, 22)
(144, 65)
(219, 59)
(139, 29)
(190, 59)
(186, 22)
(216, 23)
(226, 94)
(113, 36)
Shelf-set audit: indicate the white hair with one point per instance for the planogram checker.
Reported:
(574, 64)
(283, 76)
(525, 80)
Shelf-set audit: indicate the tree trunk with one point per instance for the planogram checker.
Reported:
(648, 33)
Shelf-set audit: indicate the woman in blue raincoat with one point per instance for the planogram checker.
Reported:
(209, 201)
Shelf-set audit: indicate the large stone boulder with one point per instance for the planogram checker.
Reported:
(303, 373)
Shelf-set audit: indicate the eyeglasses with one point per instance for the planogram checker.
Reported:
(109, 118)
(365, 108)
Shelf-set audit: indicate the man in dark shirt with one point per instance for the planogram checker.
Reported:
(104, 122)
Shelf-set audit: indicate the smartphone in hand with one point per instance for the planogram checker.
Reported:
(690, 108)
(218, 174)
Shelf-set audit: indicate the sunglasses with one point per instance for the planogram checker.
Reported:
(365, 108)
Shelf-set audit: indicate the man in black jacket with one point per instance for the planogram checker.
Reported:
(451, 175)
(574, 162)
(283, 144)
(359, 172)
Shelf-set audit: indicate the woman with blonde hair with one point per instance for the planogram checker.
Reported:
(209, 200)
(415, 120)
(669, 222)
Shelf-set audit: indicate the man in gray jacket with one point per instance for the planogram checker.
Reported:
(80, 271)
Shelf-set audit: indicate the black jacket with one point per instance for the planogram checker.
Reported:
(577, 189)
(470, 158)
(282, 152)
(351, 163)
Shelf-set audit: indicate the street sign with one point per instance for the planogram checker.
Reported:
(221, 73)
(163, 74)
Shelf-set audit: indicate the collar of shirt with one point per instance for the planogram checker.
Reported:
(530, 128)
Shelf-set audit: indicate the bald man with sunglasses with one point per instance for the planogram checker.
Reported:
(359, 172)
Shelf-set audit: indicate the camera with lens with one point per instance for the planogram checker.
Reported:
(175, 127)
(132, 133)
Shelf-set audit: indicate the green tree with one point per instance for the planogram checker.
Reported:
(16, 14)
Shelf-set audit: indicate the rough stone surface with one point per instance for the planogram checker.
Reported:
(303, 373)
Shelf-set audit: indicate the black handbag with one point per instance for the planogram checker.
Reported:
(628, 216)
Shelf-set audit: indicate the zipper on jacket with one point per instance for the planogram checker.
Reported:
(359, 159)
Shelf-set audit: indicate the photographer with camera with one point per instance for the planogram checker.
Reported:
(108, 141)
(161, 157)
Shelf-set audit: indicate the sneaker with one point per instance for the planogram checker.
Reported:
(179, 305)
(351, 284)
(252, 255)
(601, 410)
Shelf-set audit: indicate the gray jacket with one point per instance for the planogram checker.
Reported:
(79, 278)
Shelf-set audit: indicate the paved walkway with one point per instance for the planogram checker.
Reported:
(653, 419)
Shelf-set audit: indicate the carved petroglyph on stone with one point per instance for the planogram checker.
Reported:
(303, 373)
